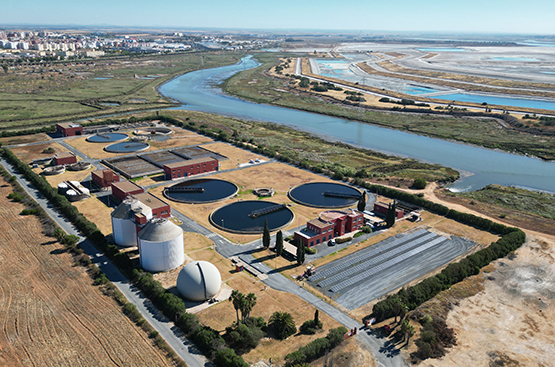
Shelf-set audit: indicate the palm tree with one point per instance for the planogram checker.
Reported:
(283, 324)
(407, 330)
(248, 304)
(238, 300)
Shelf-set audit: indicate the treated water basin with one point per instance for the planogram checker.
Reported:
(107, 137)
(313, 194)
(235, 217)
(127, 147)
(212, 190)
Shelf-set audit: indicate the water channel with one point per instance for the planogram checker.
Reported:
(199, 91)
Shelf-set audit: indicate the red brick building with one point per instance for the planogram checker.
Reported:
(64, 158)
(331, 224)
(160, 209)
(69, 129)
(191, 167)
(105, 177)
(381, 208)
(120, 190)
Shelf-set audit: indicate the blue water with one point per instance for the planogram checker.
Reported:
(441, 49)
(199, 92)
(503, 101)
(414, 90)
(514, 59)
(332, 61)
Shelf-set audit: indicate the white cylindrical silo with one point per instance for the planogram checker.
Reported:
(124, 229)
(199, 281)
(161, 245)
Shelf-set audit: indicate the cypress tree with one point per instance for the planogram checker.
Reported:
(279, 243)
(361, 206)
(390, 216)
(300, 253)
(266, 235)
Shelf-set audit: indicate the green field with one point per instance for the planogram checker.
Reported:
(33, 95)
(542, 204)
(484, 132)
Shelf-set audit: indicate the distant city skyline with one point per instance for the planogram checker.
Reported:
(469, 16)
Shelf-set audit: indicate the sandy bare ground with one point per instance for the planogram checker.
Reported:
(50, 314)
(511, 322)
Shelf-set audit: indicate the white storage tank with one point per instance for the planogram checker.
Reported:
(161, 245)
(62, 188)
(124, 228)
(199, 281)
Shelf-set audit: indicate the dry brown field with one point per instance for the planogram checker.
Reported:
(268, 301)
(25, 139)
(236, 155)
(30, 152)
(97, 212)
(179, 138)
(50, 312)
(279, 176)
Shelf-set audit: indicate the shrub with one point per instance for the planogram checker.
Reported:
(227, 358)
(343, 239)
(309, 327)
(367, 229)
(310, 250)
(419, 184)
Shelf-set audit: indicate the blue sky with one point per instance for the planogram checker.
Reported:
(489, 16)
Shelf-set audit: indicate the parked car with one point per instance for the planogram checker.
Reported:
(331, 243)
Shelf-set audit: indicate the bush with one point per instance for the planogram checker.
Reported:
(310, 250)
(243, 337)
(419, 184)
(309, 327)
(227, 358)
(367, 229)
(316, 348)
(343, 239)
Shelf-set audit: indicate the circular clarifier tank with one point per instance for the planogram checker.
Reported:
(153, 131)
(127, 147)
(324, 195)
(201, 190)
(249, 216)
(107, 137)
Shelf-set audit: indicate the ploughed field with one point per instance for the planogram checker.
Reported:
(50, 313)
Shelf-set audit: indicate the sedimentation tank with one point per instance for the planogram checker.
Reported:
(161, 245)
(124, 227)
(199, 281)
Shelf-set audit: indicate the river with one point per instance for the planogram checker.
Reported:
(199, 91)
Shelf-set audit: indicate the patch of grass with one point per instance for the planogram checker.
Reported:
(539, 203)
(31, 96)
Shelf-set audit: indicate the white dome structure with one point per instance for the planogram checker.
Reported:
(124, 227)
(161, 245)
(199, 281)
